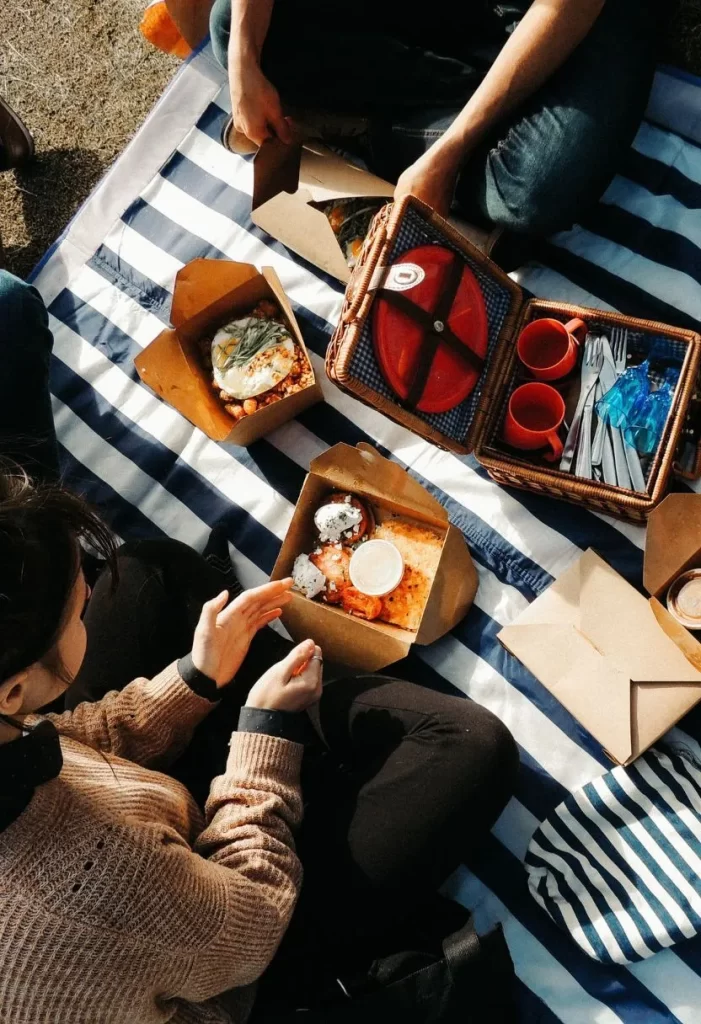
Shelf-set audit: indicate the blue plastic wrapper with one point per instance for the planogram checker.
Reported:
(630, 390)
(646, 421)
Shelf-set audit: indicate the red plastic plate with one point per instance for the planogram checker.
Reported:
(397, 338)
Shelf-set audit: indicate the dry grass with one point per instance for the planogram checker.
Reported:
(80, 74)
(83, 79)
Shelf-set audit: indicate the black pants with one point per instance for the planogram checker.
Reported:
(400, 783)
(412, 68)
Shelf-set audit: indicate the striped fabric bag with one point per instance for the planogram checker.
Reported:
(618, 863)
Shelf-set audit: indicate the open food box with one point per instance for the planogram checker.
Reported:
(622, 664)
(475, 422)
(439, 581)
(262, 358)
(304, 195)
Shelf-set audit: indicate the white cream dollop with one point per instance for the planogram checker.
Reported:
(336, 519)
(309, 580)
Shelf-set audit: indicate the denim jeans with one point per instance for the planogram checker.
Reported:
(538, 169)
(27, 434)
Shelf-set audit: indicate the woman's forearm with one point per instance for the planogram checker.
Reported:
(250, 21)
(548, 33)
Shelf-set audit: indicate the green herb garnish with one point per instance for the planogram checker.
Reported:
(254, 335)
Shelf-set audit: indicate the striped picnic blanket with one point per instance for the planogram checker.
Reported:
(175, 194)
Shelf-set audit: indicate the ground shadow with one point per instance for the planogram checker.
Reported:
(52, 187)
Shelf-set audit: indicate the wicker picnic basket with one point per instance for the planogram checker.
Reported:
(476, 425)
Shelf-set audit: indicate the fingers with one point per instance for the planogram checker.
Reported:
(268, 617)
(298, 657)
(257, 134)
(281, 127)
(261, 599)
(211, 608)
(268, 591)
(310, 675)
(255, 129)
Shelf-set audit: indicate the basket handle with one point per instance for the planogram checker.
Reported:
(363, 273)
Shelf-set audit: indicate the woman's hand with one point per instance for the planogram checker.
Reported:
(291, 685)
(255, 106)
(224, 633)
(431, 178)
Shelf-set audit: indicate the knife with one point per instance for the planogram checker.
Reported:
(608, 379)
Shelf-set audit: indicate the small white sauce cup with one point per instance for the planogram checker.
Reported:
(376, 568)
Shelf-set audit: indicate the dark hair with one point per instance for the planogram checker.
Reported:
(41, 527)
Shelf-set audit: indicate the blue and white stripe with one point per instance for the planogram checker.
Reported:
(618, 863)
(176, 194)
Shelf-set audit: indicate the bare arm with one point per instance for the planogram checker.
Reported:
(255, 103)
(547, 34)
(250, 21)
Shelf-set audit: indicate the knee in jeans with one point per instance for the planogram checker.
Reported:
(219, 30)
(21, 309)
(13, 292)
(537, 208)
(539, 193)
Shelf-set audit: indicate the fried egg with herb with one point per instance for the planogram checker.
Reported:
(251, 355)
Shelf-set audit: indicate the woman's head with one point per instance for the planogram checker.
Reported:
(42, 589)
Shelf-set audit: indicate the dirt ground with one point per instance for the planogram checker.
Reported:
(82, 77)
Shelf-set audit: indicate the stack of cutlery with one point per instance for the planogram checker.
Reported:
(601, 454)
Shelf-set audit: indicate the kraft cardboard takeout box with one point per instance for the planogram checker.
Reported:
(624, 667)
(352, 641)
(208, 294)
(288, 178)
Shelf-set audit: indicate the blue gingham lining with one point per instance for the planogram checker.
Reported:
(454, 423)
(664, 350)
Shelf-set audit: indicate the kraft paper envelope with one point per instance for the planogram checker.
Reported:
(606, 653)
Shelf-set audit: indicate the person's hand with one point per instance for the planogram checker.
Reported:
(224, 633)
(291, 685)
(255, 106)
(432, 179)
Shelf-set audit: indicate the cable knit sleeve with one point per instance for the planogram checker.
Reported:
(251, 813)
(150, 721)
(152, 928)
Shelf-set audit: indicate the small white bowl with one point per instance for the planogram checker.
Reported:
(376, 568)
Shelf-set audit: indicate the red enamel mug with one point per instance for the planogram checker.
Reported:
(549, 349)
(535, 414)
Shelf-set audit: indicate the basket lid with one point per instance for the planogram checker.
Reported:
(500, 298)
(430, 329)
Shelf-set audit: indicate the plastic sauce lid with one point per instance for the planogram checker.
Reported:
(684, 599)
(376, 568)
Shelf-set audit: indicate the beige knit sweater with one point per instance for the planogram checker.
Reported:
(118, 903)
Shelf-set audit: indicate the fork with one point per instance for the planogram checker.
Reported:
(583, 466)
(619, 346)
(615, 345)
(609, 377)
(591, 367)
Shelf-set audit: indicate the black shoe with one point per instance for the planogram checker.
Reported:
(16, 142)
